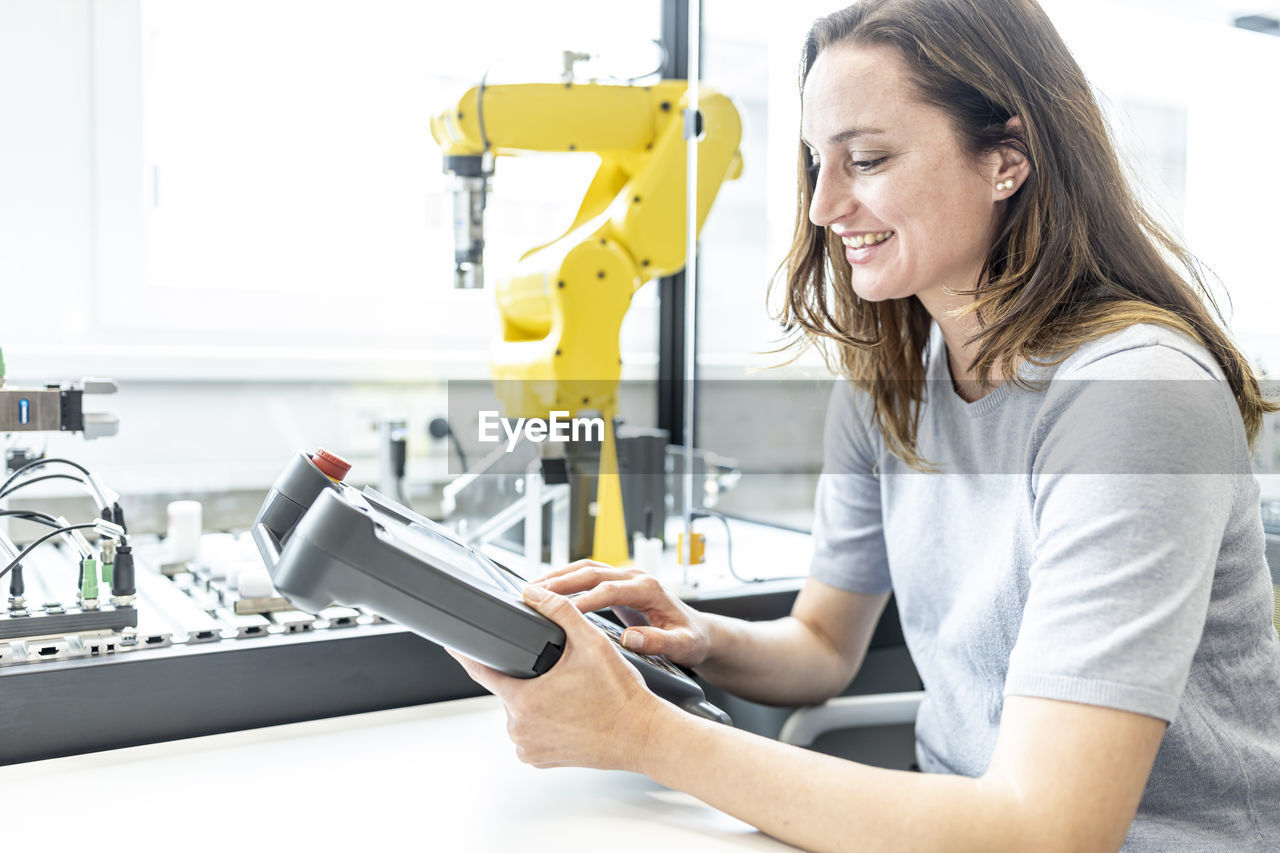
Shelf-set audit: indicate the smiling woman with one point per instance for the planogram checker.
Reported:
(1036, 244)
(1041, 449)
(1167, 76)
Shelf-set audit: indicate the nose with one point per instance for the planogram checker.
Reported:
(832, 200)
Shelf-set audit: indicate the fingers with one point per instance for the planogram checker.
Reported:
(562, 611)
(596, 586)
(564, 570)
(487, 677)
(585, 577)
(641, 592)
(676, 644)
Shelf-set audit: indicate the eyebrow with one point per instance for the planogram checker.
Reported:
(847, 134)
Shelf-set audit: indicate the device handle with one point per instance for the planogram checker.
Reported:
(268, 544)
(704, 709)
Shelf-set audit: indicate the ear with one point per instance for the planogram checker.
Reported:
(1008, 167)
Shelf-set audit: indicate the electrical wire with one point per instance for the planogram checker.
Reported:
(45, 538)
(16, 586)
(31, 515)
(16, 486)
(457, 448)
(39, 463)
(439, 428)
(728, 533)
(109, 509)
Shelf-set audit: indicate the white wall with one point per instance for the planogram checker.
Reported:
(46, 154)
(222, 376)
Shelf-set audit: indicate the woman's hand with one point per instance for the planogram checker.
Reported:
(591, 709)
(675, 630)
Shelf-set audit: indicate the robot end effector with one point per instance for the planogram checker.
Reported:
(56, 408)
(470, 175)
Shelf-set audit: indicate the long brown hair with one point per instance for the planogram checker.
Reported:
(1077, 256)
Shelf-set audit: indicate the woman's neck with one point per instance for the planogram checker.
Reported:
(957, 330)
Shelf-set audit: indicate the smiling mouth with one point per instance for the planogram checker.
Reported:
(859, 241)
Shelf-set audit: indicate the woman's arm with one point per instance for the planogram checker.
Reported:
(1063, 775)
(801, 659)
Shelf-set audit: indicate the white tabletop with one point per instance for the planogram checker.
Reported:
(440, 777)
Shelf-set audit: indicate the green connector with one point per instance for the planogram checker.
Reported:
(88, 579)
(107, 554)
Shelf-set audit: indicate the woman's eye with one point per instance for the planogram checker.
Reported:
(861, 166)
(865, 166)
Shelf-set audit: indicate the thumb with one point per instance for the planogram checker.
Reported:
(560, 610)
(675, 644)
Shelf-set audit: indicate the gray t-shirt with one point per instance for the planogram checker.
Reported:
(1096, 538)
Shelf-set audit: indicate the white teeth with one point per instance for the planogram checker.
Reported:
(860, 240)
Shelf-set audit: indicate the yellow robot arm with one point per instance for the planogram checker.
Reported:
(562, 310)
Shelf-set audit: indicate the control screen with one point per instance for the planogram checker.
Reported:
(444, 552)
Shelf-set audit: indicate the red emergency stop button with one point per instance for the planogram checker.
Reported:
(331, 464)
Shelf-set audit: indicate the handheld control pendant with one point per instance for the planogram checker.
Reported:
(326, 543)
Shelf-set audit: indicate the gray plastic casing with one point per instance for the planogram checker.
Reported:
(325, 543)
(341, 553)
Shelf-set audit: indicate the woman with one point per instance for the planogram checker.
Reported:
(1078, 560)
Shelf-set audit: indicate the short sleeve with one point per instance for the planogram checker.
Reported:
(848, 530)
(1132, 489)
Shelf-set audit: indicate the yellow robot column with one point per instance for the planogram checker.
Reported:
(610, 542)
(560, 352)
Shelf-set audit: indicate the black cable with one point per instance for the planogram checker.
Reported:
(16, 585)
(115, 514)
(457, 446)
(11, 489)
(728, 533)
(31, 515)
(439, 428)
(45, 538)
(39, 463)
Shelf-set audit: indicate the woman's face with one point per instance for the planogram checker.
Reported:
(914, 211)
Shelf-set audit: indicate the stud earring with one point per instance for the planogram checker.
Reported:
(1005, 185)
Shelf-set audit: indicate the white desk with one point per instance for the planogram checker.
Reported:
(440, 777)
